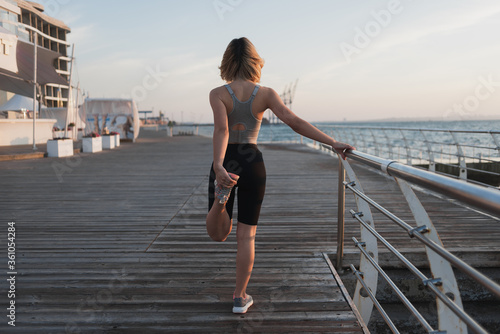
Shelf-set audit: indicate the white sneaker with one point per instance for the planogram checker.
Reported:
(241, 305)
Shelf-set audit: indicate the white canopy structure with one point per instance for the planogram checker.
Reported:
(19, 103)
(18, 130)
(63, 117)
(118, 115)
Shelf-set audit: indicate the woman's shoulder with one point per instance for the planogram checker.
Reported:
(267, 92)
(219, 88)
(264, 89)
(217, 91)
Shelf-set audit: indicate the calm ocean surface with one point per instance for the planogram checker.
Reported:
(368, 139)
(281, 132)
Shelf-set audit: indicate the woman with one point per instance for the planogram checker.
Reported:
(238, 108)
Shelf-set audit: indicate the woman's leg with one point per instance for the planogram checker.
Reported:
(219, 224)
(245, 235)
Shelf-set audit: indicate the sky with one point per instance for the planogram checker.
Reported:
(354, 60)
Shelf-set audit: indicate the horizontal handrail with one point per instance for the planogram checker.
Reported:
(413, 129)
(480, 197)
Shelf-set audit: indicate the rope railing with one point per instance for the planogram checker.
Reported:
(452, 317)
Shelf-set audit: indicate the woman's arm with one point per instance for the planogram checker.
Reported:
(220, 138)
(301, 126)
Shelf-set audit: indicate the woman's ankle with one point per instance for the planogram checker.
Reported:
(240, 295)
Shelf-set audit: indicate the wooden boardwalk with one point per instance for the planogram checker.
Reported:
(115, 242)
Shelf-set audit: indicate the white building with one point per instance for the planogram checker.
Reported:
(22, 25)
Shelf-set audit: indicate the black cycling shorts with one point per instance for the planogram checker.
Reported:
(246, 161)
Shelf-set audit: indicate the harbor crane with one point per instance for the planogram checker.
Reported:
(287, 97)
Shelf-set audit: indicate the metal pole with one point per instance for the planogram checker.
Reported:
(76, 113)
(407, 147)
(496, 141)
(377, 151)
(462, 174)
(34, 88)
(432, 163)
(376, 303)
(389, 144)
(340, 216)
(70, 93)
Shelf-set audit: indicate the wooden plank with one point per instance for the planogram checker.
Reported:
(120, 238)
(86, 241)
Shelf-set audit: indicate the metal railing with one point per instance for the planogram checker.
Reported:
(177, 130)
(443, 285)
(472, 155)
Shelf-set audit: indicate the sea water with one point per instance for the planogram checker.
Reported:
(376, 136)
(281, 132)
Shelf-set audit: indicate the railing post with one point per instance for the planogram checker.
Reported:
(496, 141)
(389, 144)
(370, 274)
(340, 216)
(377, 151)
(462, 174)
(407, 148)
(363, 139)
(440, 268)
(430, 154)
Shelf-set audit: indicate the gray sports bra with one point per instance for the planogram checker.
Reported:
(242, 115)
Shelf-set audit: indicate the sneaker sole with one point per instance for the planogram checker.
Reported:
(243, 309)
